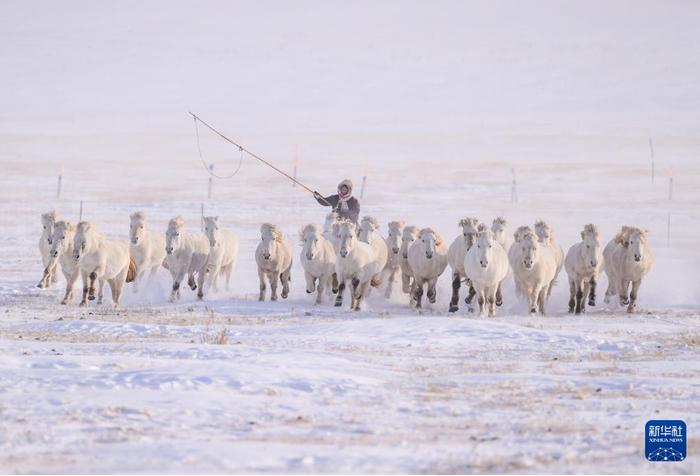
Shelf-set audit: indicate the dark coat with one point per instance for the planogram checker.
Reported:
(353, 211)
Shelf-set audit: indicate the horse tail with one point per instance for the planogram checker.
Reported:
(131, 273)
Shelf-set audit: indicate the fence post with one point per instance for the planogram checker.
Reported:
(670, 186)
(668, 229)
(60, 181)
(80, 218)
(201, 215)
(362, 187)
(513, 187)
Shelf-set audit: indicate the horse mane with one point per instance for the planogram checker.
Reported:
(51, 215)
(621, 235)
(411, 230)
(485, 232)
(590, 229)
(65, 224)
(348, 223)
(137, 216)
(468, 221)
(396, 225)
(213, 219)
(438, 236)
(370, 220)
(499, 221)
(177, 222)
(522, 231)
(274, 229)
(542, 224)
(84, 226)
(332, 215)
(311, 227)
(481, 227)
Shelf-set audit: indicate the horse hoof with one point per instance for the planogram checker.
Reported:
(335, 290)
(533, 311)
(499, 303)
(338, 304)
(91, 298)
(309, 292)
(40, 286)
(453, 309)
(591, 303)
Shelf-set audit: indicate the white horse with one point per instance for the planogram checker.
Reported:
(274, 258)
(583, 263)
(514, 252)
(498, 227)
(393, 264)
(544, 234)
(409, 235)
(317, 259)
(146, 247)
(48, 221)
(185, 254)
(101, 259)
(369, 233)
(428, 259)
(455, 257)
(486, 264)
(628, 259)
(534, 268)
(62, 251)
(356, 261)
(331, 219)
(223, 253)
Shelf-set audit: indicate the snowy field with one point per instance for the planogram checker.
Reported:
(436, 117)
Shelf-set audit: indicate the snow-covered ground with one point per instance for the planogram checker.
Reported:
(435, 103)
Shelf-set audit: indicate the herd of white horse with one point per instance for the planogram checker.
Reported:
(342, 254)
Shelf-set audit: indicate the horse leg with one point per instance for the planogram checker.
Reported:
(624, 288)
(456, 284)
(322, 282)
(191, 279)
(261, 277)
(418, 292)
(310, 282)
(472, 293)
(532, 300)
(499, 296)
(70, 282)
(273, 277)
(54, 275)
(334, 283)
(579, 295)
(339, 295)
(91, 285)
(229, 270)
(611, 288)
(284, 279)
(390, 283)
(101, 291)
(178, 276)
(405, 283)
(572, 296)
(201, 275)
(84, 275)
(591, 295)
(542, 299)
(481, 299)
(356, 292)
(493, 301)
(584, 297)
(633, 295)
(432, 292)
